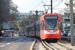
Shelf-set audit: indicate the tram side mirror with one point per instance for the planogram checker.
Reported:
(60, 26)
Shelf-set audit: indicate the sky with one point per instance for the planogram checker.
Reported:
(28, 5)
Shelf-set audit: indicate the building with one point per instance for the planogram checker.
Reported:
(66, 18)
(23, 15)
(66, 22)
(67, 9)
(5, 26)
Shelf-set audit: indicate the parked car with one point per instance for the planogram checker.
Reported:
(24, 34)
(21, 34)
(61, 33)
(6, 35)
(66, 33)
(12, 34)
(69, 34)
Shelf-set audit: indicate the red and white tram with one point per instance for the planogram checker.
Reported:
(47, 27)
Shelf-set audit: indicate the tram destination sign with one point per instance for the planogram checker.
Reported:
(51, 17)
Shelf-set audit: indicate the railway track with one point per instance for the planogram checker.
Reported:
(56, 46)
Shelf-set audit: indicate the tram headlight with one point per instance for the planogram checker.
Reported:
(57, 32)
(45, 32)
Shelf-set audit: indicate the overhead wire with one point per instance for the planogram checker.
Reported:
(46, 9)
(45, 4)
(58, 4)
(37, 5)
(54, 7)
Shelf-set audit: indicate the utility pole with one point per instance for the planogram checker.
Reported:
(51, 7)
(36, 11)
(36, 14)
(71, 23)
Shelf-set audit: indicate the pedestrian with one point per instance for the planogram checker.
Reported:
(10, 34)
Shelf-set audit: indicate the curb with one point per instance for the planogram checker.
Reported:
(31, 48)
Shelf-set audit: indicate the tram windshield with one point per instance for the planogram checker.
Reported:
(51, 22)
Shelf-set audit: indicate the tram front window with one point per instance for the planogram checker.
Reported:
(51, 24)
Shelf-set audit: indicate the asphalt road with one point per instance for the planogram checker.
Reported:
(15, 43)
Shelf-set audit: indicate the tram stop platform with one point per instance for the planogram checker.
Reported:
(68, 43)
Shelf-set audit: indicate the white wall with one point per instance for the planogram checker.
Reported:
(5, 26)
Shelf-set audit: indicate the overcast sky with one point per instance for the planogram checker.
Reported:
(27, 5)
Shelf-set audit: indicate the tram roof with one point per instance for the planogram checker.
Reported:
(32, 24)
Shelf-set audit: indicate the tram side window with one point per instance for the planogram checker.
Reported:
(42, 26)
(60, 26)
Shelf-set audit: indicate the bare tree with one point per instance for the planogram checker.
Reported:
(5, 14)
(28, 20)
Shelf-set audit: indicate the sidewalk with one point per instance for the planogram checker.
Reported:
(67, 43)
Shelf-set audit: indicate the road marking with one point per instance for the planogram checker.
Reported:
(5, 45)
(2, 46)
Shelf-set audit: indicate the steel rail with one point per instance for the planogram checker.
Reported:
(47, 46)
(53, 47)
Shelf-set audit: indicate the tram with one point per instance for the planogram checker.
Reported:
(47, 27)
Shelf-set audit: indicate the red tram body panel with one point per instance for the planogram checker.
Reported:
(51, 33)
